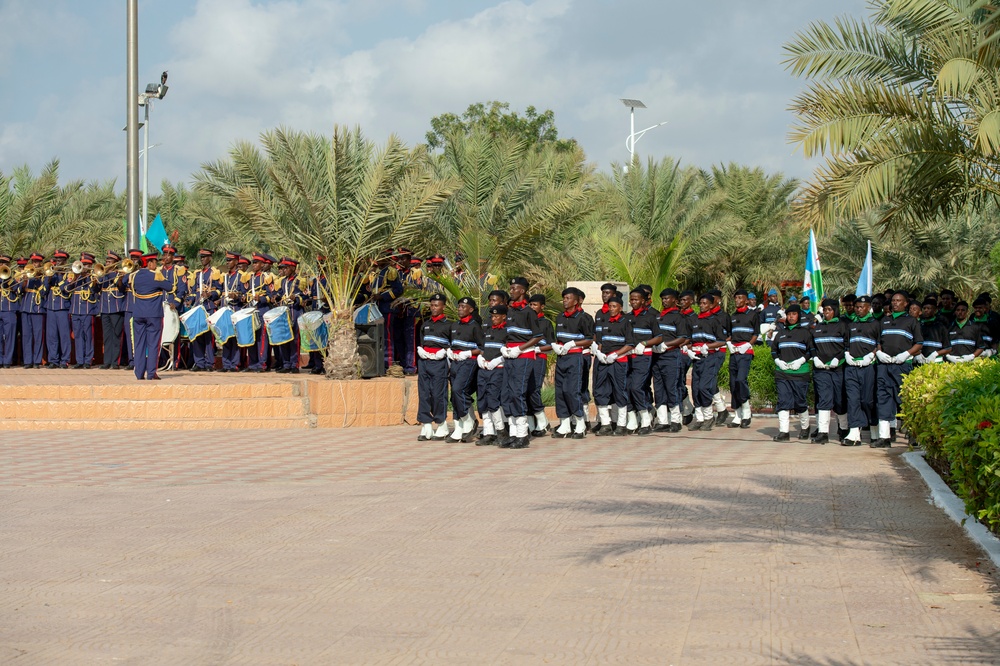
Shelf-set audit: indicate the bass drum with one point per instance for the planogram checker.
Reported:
(171, 329)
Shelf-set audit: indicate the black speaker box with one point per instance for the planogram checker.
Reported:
(371, 348)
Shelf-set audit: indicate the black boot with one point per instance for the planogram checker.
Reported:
(821, 438)
(781, 437)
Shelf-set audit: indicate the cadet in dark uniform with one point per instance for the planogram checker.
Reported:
(645, 329)
(523, 334)
(432, 372)
(989, 324)
(770, 315)
(538, 423)
(901, 339)
(607, 291)
(791, 348)
(467, 341)
(83, 305)
(574, 336)
(149, 286)
(667, 363)
(685, 303)
(611, 370)
(946, 307)
(936, 343)
(708, 351)
(964, 336)
(859, 375)
(830, 339)
(847, 308)
(490, 383)
(745, 325)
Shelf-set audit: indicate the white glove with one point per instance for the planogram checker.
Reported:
(931, 358)
(902, 357)
(451, 355)
(968, 358)
(730, 347)
(987, 353)
(869, 358)
(463, 355)
(495, 363)
(797, 363)
(703, 350)
(422, 354)
(439, 354)
(594, 347)
(920, 359)
(660, 348)
(883, 357)
(781, 364)
(819, 364)
(639, 349)
(744, 348)
(513, 352)
(952, 359)
(558, 349)
(481, 361)
(689, 353)
(599, 355)
(612, 357)
(834, 362)
(849, 358)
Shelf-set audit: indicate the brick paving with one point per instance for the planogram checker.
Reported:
(364, 547)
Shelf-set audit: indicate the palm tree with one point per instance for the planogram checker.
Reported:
(339, 197)
(907, 109)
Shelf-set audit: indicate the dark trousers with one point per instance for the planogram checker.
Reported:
(611, 384)
(406, 339)
(113, 326)
(287, 355)
(585, 380)
(432, 390)
(57, 337)
(517, 373)
(390, 338)
(130, 338)
(570, 369)
(667, 378)
(792, 393)
(463, 383)
(535, 391)
(705, 378)
(739, 378)
(640, 395)
(859, 385)
(829, 390)
(203, 351)
(83, 338)
(257, 355)
(230, 354)
(32, 337)
(683, 379)
(888, 380)
(489, 389)
(148, 333)
(8, 337)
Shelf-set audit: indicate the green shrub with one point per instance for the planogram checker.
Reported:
(921, 397)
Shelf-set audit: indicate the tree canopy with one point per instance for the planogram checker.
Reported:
(496, 118)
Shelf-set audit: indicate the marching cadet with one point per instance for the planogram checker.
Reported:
(289, 293)
(538, 423)
(57, 321)
(10, 305)
(607, 291)
(33, 314)
(204, 288)
(859, 374)
(432, 373)
(770, 315)
(645, 334)
(467, 341)
(83, 305)
(667, 363)
(686, 303)
(936, 342)
(830, 339)
(742, 337)
(232, 296)
(574, 335)
(964, 336)
(258, 285)
(523, 334)
(611, 350)
(149, 286)
(718, 404)
(490, 383)
(989, 325)
(900, 340)
(112, 311)
(946, 307)
(707, 351)
(125, 282)
(495, 297)
(847, 308)
(791, 349)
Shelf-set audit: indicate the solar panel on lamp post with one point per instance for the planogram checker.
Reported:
(634, 136)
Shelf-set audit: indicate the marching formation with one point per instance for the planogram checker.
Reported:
(634, 360)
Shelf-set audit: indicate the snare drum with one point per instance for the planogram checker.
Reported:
(245, 322)
(313, 335)
(278, 323)
(194, 322)
(171, 325)
(221, 325)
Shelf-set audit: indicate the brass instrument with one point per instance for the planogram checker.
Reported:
(77, 267)
(49, 269)
(128, 266)
(99, 270)
(5, 273)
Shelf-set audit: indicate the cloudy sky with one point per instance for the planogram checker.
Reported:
(711, 69)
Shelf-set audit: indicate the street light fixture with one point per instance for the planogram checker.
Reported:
(634, 136)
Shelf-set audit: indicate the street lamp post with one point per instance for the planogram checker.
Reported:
(132, 124)
(634, 136)
(153, 91)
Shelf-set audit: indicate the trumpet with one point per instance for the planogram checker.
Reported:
(49, 269)
(5, 273)
(127, 266)
(99, 270)
(77, 267)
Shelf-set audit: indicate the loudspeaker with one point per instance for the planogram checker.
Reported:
(371, 348)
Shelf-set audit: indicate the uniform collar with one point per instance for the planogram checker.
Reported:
(636, 313)
(466, 320)
(615, 318)
(519, 305)
(438, 318)
(605, 308)
(572, 313)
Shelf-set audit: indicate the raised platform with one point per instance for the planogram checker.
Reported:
(43, 399)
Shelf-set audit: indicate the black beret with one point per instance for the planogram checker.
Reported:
(607, 286)
(930, 300)
(863, 299)
(830, 303)
(986, 296)
(637, 290)
(715, 292)
(438, 297)
(465, 300)
(537, 298)
(498, 309)
(947, 292)
(669, 292)
(741, 292)
(980, 301)
(499, 292)
(962, 303)
(687, 292)
(848, 298)
(707, 296)
(519, 280)
(793, 308)
(644, 288)
(617, 298)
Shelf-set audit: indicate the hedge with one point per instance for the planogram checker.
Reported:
(953, 411)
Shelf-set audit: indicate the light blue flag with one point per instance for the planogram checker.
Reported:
(812, 283)
(865, 280)
(157, 235)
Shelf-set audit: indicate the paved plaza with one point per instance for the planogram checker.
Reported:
(364, 547)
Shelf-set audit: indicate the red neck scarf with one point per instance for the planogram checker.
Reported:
(519, 305)
(742, 310)
(636, 313)
(687, 312)
(709, 313)
(666, 311)
(503, 325)
(541, 315)
(615, 318)
(571, 313)
(604, 308)
(466, 320)
(438, 318)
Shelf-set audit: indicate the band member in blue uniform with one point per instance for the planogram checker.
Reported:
(467, 341)
(523, 334)
(149, 286)
(57, 324)
(10, 305)
(232, 297)
(124, 282)
(574, 338)
(318, 302)
(432, 372)
(83, 306)
(204, 288)
(33, 314)
(289, 293)
(259, 289)
(111, 308)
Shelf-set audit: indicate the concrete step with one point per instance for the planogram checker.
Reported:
(161, 424)
(171, 410)
(153, 391)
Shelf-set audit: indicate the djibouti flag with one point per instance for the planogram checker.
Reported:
(812, 283)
